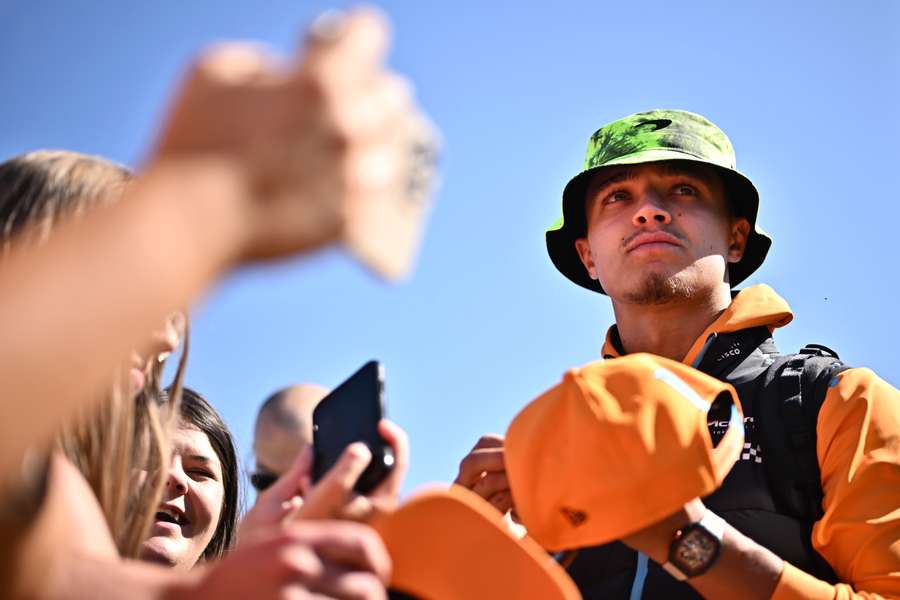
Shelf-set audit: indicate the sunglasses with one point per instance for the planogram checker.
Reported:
(262, 480)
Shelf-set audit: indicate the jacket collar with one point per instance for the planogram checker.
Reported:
(754, 306)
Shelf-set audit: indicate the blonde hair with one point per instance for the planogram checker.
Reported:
(119, 444)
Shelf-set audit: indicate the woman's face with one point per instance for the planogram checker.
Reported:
(191, 504)
(163, 342)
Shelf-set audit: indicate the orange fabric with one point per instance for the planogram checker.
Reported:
(858, 446)
(798, 585)
(581, 457)
(451, 544)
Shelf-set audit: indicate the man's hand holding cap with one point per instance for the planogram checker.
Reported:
(616, 446)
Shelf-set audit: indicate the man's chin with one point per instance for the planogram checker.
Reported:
(660, 288)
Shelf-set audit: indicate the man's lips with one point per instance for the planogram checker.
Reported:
(655, 239)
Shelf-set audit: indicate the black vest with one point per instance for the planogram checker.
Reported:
(744, 500)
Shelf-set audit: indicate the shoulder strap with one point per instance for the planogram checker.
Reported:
(794, 390)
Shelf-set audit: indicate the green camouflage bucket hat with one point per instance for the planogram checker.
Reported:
(654, 136)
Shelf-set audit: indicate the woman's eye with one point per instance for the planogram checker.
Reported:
(200, 474)
(685, 190)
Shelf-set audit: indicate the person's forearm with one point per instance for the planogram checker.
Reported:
(71, 311)
(90, 577)
(744, 570)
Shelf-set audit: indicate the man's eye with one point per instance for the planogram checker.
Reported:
(617, 196)
(684, 189)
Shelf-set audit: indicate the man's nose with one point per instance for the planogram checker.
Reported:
(651, 211)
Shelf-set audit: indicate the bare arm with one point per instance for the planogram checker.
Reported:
(744, 570)
(72, 309)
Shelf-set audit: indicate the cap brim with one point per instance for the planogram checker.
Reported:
(561, 238)
(449, 544)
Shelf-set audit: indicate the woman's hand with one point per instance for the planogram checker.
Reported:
(276, 503)
(294, 496)
(333, 496)
(322, 559)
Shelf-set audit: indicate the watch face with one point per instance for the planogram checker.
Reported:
(695, 551)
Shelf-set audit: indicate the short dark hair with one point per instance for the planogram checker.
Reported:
(194, 410)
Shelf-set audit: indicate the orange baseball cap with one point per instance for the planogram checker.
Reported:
(617, 446)
(451, 544)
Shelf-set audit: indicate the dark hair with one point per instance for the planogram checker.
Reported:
(196, 411)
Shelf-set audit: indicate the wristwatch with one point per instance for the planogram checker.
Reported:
(696, 547)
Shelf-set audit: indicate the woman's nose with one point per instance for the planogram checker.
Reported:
(166, 339)
(177, 481)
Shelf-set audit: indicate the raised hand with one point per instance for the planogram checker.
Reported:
(483, 471)
(313, 141)
(310, 559)
(333, 495)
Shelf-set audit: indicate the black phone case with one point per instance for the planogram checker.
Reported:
(350, 413)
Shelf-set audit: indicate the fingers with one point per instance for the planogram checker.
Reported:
(486, 457)
(346, 49)
(502, 501)
(327, 559)
(330, 494)
(489, 440)
(491, 484)
(399, 442)
(337, 582)
(235, 63)
(288, 485)
(353, 545)
(377, 112)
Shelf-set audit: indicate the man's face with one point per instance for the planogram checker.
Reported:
(659, 231)
(277, 447)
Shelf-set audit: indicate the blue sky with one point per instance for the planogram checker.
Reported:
(807, 91)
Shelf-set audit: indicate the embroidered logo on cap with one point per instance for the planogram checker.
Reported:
(575, 517)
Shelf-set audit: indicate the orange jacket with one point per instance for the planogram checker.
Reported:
(858, 447)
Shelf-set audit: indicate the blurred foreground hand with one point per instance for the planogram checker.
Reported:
(323, 559)
(328, 144)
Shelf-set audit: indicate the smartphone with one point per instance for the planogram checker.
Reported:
(351, 414)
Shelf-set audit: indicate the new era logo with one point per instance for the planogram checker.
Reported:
(574, 516)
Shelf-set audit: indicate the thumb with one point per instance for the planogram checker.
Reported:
(332, 492)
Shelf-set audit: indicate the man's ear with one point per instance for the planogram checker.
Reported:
(737, 243)
(587, 259)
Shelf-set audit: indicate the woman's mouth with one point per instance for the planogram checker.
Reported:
(169, 519)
